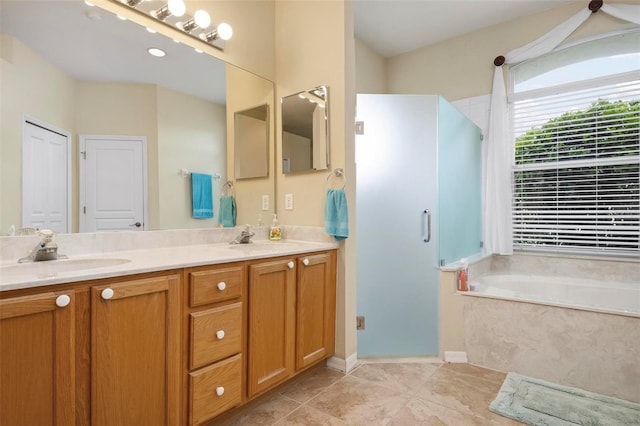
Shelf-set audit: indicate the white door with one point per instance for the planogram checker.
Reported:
(46, 193)
(113, 183)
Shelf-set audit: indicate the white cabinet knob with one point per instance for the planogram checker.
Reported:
(220, 390)
(222, 285)
(305, 262)
(220, 334)
(62, 300)
(291, 264)
(107, 293)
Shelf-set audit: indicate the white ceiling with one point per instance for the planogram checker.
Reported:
(392, 27)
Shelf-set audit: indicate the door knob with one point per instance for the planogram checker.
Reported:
(220, 334)
(107, 293)
(305, 262)
(222, 285)
(137, 224)
(291, 264)
(62, 300)
(220, 391)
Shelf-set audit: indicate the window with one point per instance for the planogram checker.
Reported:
(576, 170)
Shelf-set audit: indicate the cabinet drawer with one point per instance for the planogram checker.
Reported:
(215, 285)
(215, 334)
(215, 389)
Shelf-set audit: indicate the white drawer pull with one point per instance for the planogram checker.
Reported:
(291, 264)
(107, 293)
(222, 285)
(305, 262)
(220, 390)
(220, 334)
(62, 300)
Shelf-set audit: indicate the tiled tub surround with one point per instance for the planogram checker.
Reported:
(592, 350)
(151, 251)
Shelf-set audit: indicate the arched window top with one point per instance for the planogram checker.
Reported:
(602, 57)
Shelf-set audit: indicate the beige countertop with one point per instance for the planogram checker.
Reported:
(120, 263)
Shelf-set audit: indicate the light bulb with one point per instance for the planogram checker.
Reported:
(177, 7)
(202, 18)
(156, 52)
(225, 31)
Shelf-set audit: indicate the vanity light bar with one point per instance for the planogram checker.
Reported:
(190, 25)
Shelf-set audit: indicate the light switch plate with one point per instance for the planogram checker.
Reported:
(288, 201)
(265, 202)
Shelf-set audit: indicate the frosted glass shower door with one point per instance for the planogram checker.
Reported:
(396, 268)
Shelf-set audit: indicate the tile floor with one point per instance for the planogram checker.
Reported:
(399, 394)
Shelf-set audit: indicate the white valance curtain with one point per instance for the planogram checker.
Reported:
(498, 229)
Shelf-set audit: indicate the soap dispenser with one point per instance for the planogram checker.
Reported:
(275, 233)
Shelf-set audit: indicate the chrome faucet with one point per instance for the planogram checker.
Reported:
(244, 237)
(45, 250)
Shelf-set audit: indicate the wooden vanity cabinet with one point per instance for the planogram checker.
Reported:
(37, 359)
(291, 316)
(216, 340)
(135, 352)
(315, 308)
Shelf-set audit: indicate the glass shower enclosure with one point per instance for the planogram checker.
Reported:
(418, 204)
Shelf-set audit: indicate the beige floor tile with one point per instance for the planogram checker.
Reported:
(307, 416)
(405, 377)
(267, 413)
(311, 384)
(465, 393)
(418, 412)
(497, 377)
(359, 402)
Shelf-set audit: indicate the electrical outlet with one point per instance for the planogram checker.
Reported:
(265, 202)
(360, 322)
(288, 201)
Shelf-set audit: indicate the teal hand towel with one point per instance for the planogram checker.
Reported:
(201, 195)
(227, 212)
(336, 214)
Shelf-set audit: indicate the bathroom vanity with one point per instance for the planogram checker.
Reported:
(164, 342)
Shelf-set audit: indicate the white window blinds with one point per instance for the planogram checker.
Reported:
(576, 175)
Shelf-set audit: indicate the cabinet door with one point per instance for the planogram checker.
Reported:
(135, 352)
(37, 361)
(271, 323)
(316, 308)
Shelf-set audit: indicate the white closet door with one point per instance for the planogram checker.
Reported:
(113, 179)
(45, 170)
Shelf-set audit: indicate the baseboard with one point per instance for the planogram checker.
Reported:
(456, 357)
(343, 365)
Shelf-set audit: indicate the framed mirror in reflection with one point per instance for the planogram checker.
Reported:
(251, 156)
(78, 70)
(305, 130)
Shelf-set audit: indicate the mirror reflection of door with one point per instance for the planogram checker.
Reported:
(113, 183)
(45, 176)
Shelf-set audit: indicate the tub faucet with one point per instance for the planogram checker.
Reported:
(45, 250)
(244, 237)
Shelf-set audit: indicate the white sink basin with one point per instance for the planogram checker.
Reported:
(52, 268)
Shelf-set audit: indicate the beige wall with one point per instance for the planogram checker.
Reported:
(462, 67)
(372, 70)
(306, 59)
(191, 135)
(38, 89)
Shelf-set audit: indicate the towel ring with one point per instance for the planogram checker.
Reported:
(227, 188)
(337, 173)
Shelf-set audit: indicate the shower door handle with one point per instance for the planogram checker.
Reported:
(427, 225)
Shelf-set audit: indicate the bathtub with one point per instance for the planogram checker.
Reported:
(578, 293)
(578, 332)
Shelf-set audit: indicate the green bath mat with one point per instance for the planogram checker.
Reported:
(541, 403)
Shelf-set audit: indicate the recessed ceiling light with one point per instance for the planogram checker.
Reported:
(198, 50)
(151, 30)
(122, 18)
(156, 52)
(88, 3)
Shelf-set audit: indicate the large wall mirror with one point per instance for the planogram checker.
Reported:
(82, 71)
(305, 130)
